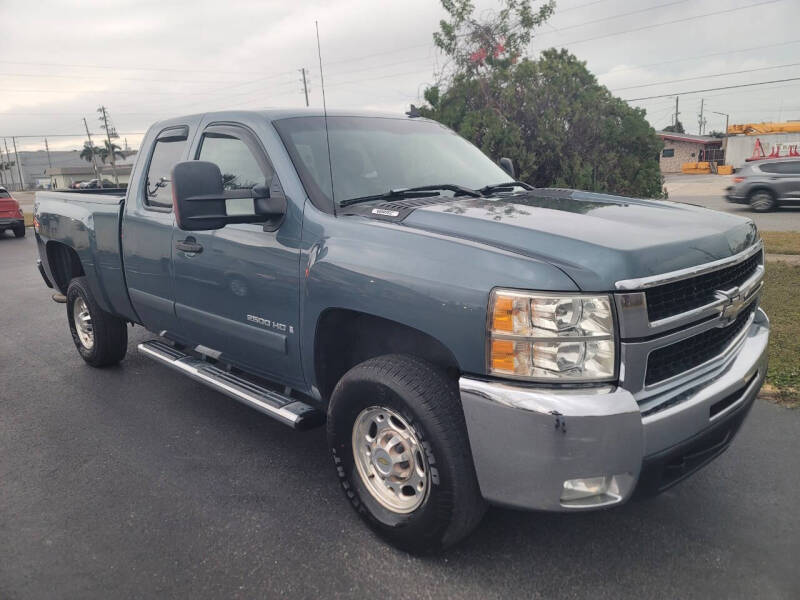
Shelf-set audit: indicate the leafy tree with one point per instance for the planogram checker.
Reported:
(105, 152)
(89, 151)
(676, 128)
(550, 115)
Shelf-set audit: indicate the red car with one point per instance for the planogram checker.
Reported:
(11, 214)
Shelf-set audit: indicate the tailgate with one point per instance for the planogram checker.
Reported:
(8, 208)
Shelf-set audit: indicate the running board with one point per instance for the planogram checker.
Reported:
(288, 411)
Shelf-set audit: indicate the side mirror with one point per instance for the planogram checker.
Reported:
(508, 166)
(201, 203)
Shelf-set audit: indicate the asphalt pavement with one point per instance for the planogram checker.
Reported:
(708, 191)
(136, 482)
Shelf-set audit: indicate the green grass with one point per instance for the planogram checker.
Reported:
(781, 301)
(781, 242)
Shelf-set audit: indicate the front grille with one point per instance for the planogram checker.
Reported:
(687, 354)
(675, 298)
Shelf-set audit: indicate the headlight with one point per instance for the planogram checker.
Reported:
(550, 337)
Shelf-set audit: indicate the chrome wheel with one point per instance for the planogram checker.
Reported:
(390, 459)
(83, 323)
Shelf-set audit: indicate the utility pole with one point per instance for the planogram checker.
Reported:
(305, 84)
(47, 148)
(49, 162)
(104, 117)
(8, 157)
(701, 122)
(91, 150)
(19, 167)
(676, 111)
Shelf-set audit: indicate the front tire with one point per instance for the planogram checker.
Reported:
(100, 337)
(762, 201)
(399, 442)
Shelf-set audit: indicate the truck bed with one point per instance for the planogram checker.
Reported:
(88, 224)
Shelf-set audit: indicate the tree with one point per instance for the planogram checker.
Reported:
(89, 152)
(676, 128)
(549, 114)
(106, 151)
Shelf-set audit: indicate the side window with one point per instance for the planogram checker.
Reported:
(168, 150)
(236, 160)
(770, 168)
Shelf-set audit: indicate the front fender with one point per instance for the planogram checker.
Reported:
(427, 281)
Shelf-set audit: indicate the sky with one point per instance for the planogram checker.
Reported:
(146, 60)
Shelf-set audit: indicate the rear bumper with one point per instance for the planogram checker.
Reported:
(12, 223)
(526, 442)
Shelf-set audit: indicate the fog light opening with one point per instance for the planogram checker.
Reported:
(591, 491)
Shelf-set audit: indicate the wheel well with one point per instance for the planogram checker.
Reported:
(64, 264)
(761, 188)
(345, 338)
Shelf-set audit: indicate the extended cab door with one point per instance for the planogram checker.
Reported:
(148, 222)
(238, 295)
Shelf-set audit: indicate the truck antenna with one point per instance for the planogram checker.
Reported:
(325, 116)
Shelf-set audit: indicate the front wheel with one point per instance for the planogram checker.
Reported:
(100, 337)
(399, 442)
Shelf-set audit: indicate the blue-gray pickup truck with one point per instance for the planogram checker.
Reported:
(467, 339)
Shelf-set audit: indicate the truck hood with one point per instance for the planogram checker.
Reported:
(596, 239)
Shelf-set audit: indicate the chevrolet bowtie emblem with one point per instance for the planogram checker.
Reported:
(731, 310)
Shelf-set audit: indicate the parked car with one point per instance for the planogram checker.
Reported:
(468, 339)
(11, 216)
(767, 184)
(76, 185)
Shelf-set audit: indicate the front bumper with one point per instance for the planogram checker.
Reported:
(527, 441)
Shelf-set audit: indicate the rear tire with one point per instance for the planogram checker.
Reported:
(427, 443)
(762, 201)
(100, 337)
(19, 232)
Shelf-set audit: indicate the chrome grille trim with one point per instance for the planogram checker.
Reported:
(642, 283)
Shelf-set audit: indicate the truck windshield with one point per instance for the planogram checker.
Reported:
(373, 155)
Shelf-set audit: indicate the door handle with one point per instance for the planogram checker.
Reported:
(189, 245)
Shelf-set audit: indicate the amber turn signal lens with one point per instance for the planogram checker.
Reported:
(502, 355)
(503, 317)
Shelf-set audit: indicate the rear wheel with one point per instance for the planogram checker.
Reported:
(399, 442)
(762, 201)
(19, 232)
(100, 337)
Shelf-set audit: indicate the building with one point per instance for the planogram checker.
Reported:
(680, 148)
(34, 166)
(61, 178)
(762, 140)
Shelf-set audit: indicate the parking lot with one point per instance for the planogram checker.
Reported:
(136, 482)
(709, 191)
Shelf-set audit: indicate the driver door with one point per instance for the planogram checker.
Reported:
(238, 295)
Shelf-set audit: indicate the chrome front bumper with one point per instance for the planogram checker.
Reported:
(527, 441)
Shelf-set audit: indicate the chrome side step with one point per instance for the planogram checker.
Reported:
(289, 411)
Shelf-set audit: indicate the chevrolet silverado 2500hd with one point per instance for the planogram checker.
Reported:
(467, 339)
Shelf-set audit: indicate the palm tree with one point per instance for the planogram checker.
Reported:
(106, 151)
(89, 152)
(110, 151)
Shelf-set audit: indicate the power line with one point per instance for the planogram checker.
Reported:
(632, 87)
(681, 20)
(727, 87)
(563, 10)
(80, 135)
(612, 17)
(697, 57)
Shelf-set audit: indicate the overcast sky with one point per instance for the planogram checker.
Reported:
(146, 60)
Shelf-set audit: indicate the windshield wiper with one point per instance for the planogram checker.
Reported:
(422, 191)
(507, 185)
